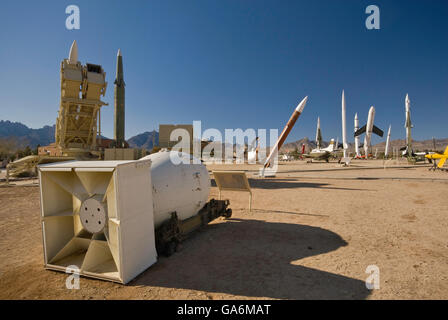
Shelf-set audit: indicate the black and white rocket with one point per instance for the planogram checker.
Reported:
(119, 103)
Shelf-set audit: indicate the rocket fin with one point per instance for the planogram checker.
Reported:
(377, 131)
(361, 131)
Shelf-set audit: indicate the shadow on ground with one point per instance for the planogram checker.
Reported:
(254, 259)
(289, 184)
(289, 212)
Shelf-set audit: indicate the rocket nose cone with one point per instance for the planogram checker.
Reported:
(119, 53)
(356, 116)
(302, 104)
(73, 55)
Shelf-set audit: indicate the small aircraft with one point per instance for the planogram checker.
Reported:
(437, 156)
(287, 157)
(321, 153)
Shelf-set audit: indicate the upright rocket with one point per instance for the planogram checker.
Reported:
(408, 125)
(386, 151)
(368, 129)
(318, 134)
(119, 102)
(357, 153)
(344, 131)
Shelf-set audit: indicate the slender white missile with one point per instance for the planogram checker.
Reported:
(408, 125)
(386, 152)
(358, 154)
(369, 128)
(344, 131)
(318, 134)
(295, 115)
(73, 55)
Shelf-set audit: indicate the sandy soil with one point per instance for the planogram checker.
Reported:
(313, 231)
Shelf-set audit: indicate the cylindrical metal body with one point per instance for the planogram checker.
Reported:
(386, 151)
(408, 125)
(295, 115)
(369, 128)
(344, 132)
(358, 154)
(318, 135)
(182, 188)
(119, 103)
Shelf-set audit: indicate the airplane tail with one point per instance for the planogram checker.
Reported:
(442, 161)
(330, 147)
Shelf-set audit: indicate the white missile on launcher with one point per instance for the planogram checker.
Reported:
(408, 125)
(73, 55)
(368, 129)
(281, 139)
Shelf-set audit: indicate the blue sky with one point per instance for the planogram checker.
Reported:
(235, 63)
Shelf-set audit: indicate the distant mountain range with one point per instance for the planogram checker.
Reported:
(146, 140)
(23, 136)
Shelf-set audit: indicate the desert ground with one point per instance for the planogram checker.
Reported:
(312, 232)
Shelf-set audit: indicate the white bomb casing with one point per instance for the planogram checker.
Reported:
(181, 188)
(100, 216)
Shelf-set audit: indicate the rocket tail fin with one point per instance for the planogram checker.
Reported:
(361, 131)
(377, 131)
